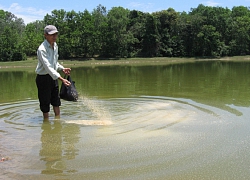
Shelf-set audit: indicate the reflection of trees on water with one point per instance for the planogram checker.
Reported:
(58, 146)
(214, 83)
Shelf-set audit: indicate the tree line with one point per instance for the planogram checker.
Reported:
(120, 33)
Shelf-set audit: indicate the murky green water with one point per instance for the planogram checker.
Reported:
(186, 121)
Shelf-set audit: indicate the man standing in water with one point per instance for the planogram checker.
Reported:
(47, 75)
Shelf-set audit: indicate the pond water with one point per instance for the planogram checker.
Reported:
(180, 121)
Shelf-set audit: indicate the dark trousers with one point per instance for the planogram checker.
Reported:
(48, 92)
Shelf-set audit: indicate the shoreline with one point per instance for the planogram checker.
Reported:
(32, 62)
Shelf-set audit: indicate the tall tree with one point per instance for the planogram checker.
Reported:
(33, 36)
(136, 27)
(240, 29)
(10, 37)
(166, 23)
(151, 38)
(209, 40)
(99, 30)
(118, 38)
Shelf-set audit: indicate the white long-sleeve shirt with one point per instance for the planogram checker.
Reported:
(48, 60)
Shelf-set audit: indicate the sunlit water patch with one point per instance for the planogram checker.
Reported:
(125, 138)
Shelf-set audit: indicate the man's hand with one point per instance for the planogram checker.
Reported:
(65, 81)
(66, 71)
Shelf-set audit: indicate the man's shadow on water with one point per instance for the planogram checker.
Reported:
(58, 141)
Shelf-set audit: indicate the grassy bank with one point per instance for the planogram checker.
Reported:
(32, 62)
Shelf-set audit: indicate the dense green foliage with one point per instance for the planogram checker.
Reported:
(119, 32)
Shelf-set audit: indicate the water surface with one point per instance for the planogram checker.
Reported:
(182, 121)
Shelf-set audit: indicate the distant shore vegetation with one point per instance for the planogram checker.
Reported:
(205, 31)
